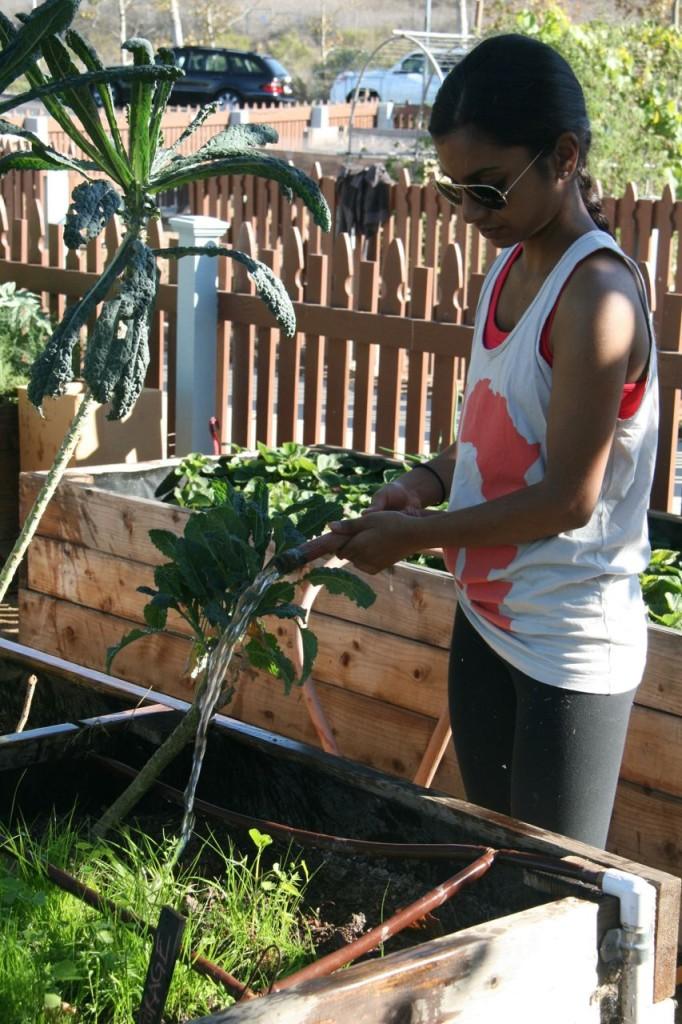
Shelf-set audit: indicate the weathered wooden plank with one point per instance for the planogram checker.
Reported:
(416, 602)
(503, 970)
(653, 751)
(647, 827)
(21, 750)
(389, 330)
(113, 523)
(391, 739)
(82, 635)
(391, 359)
(381, 665)
(357, 657)
(56, 280)
(338, 349)
(661, 687)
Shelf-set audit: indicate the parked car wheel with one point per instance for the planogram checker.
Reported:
(228, 100)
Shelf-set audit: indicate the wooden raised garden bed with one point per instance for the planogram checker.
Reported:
(9, 476)
(380, 674)
(528, 941)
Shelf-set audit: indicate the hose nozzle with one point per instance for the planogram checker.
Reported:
(295, 558)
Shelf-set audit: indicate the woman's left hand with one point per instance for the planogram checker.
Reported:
(377, 540)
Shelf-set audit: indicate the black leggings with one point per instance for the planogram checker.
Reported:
(542, 754)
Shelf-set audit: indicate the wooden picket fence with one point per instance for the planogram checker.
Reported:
(380, 358)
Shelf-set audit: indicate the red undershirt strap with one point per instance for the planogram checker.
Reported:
(494, 336)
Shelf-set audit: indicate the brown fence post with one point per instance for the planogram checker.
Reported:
(670, 340)
(290, 348)
(391, 358)
(338, 348)
(4, 231)
(243, 347)
(315, 294)
(266, 362)
(365, 360)
(663, 222)
(421, 308)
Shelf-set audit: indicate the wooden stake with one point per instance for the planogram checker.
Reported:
(31, 683)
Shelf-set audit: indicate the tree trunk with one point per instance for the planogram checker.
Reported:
(323, 32)
(123, 29)
(676, 15)
(176, 20)
(210, 26)
(463, 18)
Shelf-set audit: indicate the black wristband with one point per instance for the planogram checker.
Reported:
(429, 467)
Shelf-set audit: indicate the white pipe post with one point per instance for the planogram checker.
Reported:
(56, 182)
(637, 918)
(197, 325)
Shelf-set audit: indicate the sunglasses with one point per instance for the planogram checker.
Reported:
(485, 195)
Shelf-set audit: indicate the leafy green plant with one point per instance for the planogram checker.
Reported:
(24, 329)
(60, 960)
(52, 16)
(66, 74)
(224, 580)
(662, 588)
(293, 473)
(216, 560)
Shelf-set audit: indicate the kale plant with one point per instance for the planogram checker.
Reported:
(218, 557)
(224, 579)
(65, 73)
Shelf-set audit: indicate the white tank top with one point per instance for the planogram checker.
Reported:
(566, 610)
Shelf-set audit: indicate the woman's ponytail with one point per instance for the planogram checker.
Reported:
(591, 199)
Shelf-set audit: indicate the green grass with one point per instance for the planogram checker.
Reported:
(58, 956)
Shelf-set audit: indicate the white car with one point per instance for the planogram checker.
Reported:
(410, 80)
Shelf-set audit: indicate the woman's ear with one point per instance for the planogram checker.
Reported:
(566, 155)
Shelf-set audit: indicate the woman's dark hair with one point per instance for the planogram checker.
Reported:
(518, 92)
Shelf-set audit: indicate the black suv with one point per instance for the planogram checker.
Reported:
(232, 77)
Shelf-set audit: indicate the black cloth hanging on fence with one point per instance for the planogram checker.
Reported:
(362, 200)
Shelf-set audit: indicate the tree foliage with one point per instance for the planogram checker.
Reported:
(632, 76)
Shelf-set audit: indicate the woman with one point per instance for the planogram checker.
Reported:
(548, 483)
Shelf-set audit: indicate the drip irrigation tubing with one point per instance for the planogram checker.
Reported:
(104, 905)
(396, 923)
(364, 847)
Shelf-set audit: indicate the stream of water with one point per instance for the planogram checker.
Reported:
(216, 669)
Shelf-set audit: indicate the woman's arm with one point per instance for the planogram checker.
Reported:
(597, 325)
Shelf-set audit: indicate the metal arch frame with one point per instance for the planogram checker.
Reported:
(412, 38)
